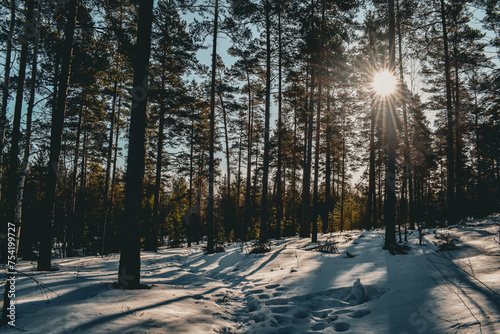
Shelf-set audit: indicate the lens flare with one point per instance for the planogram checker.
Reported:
(384, 83)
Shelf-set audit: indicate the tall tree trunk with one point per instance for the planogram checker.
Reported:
(328, 159)
(458, 146)
(314, 237)
(371, 218)
(306, 188)
(109, 158)
(265, 174)
(151, 243)
(390, 177)
(130, 261)
(45, 252)
(342, 191)
(10, 276)
(199, 196)
(211, 171)
(228, 155)
(71, 222)
(294, 174)
(105, 234)
(6, 86)
(371, 211)
(13, 173)
(279, 186)
(240, 154)
(82, 203)
(27, 144)
(189, 226)
(450, 187)
(407, 168)
(249, 160)
(480, 194)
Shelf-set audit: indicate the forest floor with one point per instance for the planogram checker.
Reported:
(287, 290)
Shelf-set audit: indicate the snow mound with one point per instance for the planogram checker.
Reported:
(358, 294)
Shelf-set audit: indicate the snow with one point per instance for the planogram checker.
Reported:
(288, 290)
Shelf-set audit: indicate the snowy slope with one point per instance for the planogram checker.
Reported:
(288, 290)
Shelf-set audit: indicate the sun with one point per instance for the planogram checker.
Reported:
(384, 83)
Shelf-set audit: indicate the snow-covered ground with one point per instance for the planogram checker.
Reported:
(288, 290)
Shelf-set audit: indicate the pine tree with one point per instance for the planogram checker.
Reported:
(129, 269)
(44, 260)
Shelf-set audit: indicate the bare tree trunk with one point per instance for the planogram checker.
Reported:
(6, 86)
(130, 261)
(10, 276)
(372, 199)
(318, 129)
(249, 160)
(342, 195)
(13, 173)
(458, 146)
(240, 154)
(228, 155)
(151, 243)
(450, 188)
(45, 252)
(371, 211)
(306, 188)
(210, 213)
(113, 176)
(265, 175)
(108, 165)
(71, 221)
(27, 144)
(294, 174)
(82, 204)
(407, 168)
(390, 177)
(199, 196)
(279, 194)
(328, 164)
(191, 172)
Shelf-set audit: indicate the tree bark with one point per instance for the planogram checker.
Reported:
(45, 252)
(407, 167)
(328, 164)
(105, 234)
(371, 205)
(13, 173)
(191, 172)
(6, 86)
(314, 237)
(108, 165)
(306, 188)
(228, 156)
(240, 154)
(210, 213)
(130, 262)
(279, 186)
(70, 223)
(151, 243)
(265, 174)
(294, 175)
(10, 276)
(249, 160)
(27, 144)
(450, 187)
(342, 196)
(390, 177)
